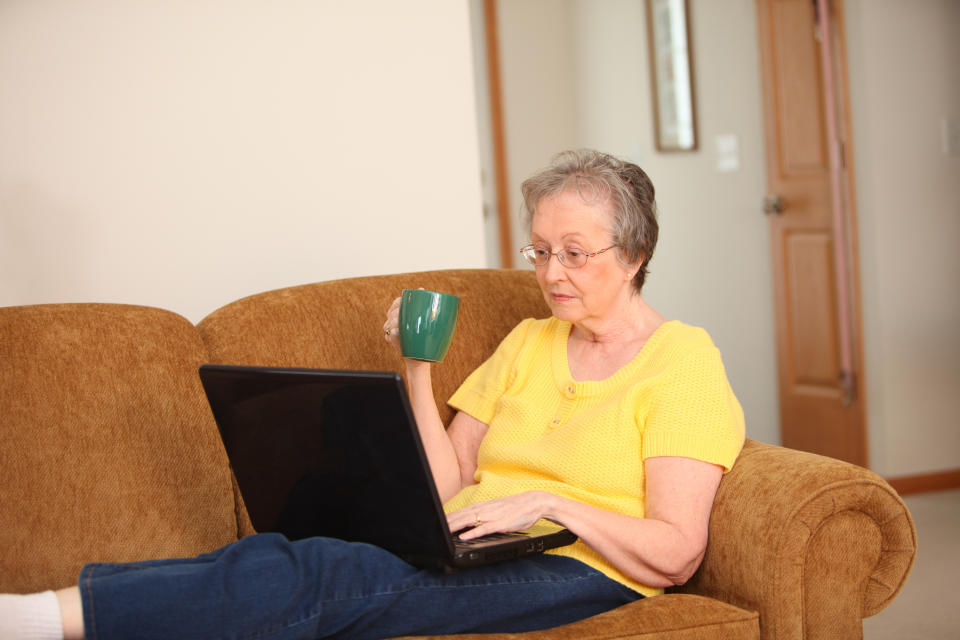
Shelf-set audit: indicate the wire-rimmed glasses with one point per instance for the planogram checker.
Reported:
(570, 257)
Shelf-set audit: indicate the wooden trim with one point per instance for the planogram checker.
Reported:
(497, 133)
(926, 482)
(654, 92)
(861, 434)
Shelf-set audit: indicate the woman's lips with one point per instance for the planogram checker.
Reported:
(559, 297)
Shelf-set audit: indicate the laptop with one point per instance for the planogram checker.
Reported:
(337, 453)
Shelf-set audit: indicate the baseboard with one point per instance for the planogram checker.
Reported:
(925, 482)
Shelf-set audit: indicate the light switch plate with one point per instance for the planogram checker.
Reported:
(727, 148)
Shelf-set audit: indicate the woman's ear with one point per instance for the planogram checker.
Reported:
(632, 268)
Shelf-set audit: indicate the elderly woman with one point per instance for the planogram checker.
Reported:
(605, 418)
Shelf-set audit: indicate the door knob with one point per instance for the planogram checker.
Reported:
(772, 204)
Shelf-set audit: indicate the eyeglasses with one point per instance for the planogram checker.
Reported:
(570, 257)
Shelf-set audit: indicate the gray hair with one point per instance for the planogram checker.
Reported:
(600, 178)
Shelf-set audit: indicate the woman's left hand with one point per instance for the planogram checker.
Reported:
(503, 515)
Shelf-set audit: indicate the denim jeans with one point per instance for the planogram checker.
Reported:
(264, 586)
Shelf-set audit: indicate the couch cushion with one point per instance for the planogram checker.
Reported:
(666, 617)
(339, 324)
(109, 451)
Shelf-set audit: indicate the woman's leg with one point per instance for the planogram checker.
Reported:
(266, 587)
(71, 613)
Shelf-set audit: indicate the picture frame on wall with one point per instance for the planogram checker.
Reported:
(671, 75)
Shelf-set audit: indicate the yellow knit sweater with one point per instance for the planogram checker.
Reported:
(587, 440)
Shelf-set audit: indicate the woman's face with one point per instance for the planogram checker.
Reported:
(589, 292)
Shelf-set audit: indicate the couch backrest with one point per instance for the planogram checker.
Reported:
(339, 324)
(109, 451)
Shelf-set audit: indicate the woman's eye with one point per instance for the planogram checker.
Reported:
(573, 252)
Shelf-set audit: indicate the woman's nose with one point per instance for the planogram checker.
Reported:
(554, 269)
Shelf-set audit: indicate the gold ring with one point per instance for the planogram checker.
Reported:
(478, 520)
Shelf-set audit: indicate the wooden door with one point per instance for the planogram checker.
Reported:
(814, 256)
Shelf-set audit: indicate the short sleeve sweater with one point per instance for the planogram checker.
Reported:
(587, 440)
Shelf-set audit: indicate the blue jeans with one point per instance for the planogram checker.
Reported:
(264, 586)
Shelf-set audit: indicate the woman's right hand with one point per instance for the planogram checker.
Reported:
(391, 327)
(436, 441)
(391, 333)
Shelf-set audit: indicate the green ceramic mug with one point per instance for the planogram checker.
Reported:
(427, 319)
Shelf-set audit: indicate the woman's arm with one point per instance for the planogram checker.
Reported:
(451, 451)
(663, 549)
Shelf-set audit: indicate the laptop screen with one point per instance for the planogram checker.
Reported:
(328, 453)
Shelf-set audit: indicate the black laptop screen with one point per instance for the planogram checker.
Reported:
(327, 453)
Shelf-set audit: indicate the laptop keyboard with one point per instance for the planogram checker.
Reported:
(490, 537)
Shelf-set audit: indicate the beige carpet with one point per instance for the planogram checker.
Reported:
(928, 608)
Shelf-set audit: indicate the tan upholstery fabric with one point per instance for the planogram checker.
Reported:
(667, 617)
(339, 324)
(759, 533)
(109, 451)
(811, 543)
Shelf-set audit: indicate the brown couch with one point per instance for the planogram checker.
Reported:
(108, 452)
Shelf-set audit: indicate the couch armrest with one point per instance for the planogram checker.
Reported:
(811, 543)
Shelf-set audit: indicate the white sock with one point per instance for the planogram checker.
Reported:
(30, 617)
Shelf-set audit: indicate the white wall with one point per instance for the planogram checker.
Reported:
(185, 153)
(903, 58)
(538, 85)
(583, 81)
(712, 265)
